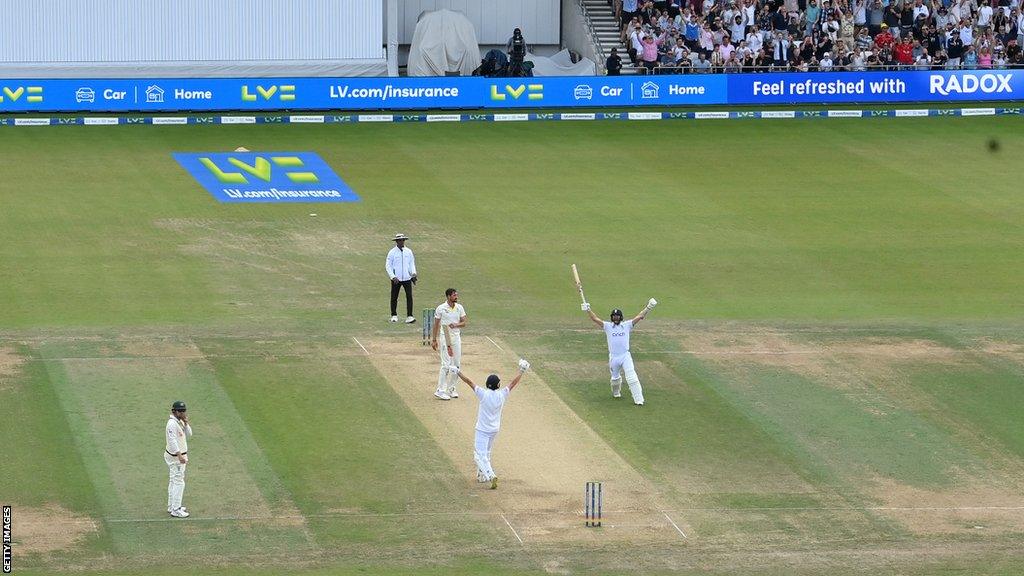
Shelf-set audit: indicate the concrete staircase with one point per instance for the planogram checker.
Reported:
(607, 30)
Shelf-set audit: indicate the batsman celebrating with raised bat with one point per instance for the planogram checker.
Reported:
(617, 331)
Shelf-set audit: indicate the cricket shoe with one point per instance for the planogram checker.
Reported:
(481, 477)
(494, 483)
(616, 389)
(410, 319)
(453, 393)
(179, 508)
(394, 318)
(179, 513)
(440, 394)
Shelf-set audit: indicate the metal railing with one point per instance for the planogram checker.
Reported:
(595, 40)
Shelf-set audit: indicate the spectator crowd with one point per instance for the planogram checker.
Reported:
(703, 36)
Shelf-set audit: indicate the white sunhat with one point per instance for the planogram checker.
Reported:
(401, 236)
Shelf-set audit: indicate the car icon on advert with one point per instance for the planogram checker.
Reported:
(583, 92)
(85, 95)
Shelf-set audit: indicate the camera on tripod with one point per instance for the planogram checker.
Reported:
(517, 54)
(518, 46)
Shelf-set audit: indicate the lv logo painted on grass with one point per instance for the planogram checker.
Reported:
(285, 176)
(261, 168)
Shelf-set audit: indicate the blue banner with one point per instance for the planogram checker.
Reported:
(453, 93)
(838, 87)
(155, 95)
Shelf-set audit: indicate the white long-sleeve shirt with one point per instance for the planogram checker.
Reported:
(400, 264)
(177, 436)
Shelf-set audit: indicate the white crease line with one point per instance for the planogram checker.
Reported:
(548, 514)
(945, 508)
(510, 524)
(854, 509)
(27, 337)
(361, 346)
(495, 343)
(270, 518)
(195, 519)
(674, 525)
(552, 353)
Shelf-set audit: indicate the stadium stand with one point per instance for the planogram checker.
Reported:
(678, 36)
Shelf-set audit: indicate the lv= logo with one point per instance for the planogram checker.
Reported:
(261, 168)
(35, 93)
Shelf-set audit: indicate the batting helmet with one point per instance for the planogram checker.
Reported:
(616, 312)
(493, 381)
(178, 406)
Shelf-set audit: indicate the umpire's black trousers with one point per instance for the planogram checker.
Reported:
(408, 297)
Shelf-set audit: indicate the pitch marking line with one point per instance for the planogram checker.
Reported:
(674, 525)
(495, 343)
(857, 509)
(471, 513)
(546, 353)
(361, 346)
(34, 336)
(509, 524)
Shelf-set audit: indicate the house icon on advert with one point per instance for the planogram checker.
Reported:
(154, 94)
(648, 90)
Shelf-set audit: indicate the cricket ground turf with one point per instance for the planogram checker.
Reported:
(834, 374)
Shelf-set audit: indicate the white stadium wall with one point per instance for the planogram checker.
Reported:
(193, 37)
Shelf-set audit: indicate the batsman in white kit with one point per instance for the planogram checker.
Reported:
(176, 434)
(620, 362)
(449, 319)
(488, 419)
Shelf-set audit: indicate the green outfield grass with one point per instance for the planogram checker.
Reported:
(834, 373)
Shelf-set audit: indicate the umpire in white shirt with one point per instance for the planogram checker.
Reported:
(401, 268)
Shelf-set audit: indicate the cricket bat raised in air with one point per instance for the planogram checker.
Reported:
(579, 286)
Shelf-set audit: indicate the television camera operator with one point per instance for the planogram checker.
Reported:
(516, 48)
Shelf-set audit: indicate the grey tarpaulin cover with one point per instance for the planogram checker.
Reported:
(561, 64)
(444, 41)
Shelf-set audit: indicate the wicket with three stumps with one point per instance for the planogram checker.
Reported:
(428, 325)
(592, 504)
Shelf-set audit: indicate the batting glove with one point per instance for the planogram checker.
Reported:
(453, 370)
(652, 303)
(523, 365)
(585, 306)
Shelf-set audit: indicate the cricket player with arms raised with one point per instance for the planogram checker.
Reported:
(488, 418)
(619, 360)
(449, 319)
